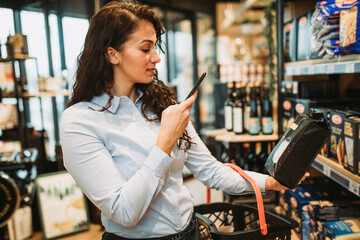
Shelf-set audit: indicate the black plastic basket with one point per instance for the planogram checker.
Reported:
(242, 221)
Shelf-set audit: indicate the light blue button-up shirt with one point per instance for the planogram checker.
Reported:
(139, 188)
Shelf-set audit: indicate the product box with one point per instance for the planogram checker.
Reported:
(303, 37)
(341, 230)
(303, 105)
(351, 160)
(288, 88)
(337, 119)
(310, 89)
(288, 111)
(298, 202)
(293, 41)
(286, 39)
(336, 202)
(325, 151)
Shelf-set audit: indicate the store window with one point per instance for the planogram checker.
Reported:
(75, 30)
(6, 28)
(55, 45)
(33, 26)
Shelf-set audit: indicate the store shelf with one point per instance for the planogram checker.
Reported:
(234, 138)
(63, 92)
(337, 173)
(339, 65)
(17, 58)
(215, 132)
(6, 126)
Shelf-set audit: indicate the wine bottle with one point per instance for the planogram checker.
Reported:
(266, 115)
(238, 126)
(228, 108)
(254, 123)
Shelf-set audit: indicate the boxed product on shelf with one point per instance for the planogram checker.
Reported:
(325, 151)
(336, 202)
(317, 200)
(352, 144)
(303, 40)
(310, 89)
(303, 105)
(6, 77)
(287, 29)
(293, 41)
(288, 115)
(290, 40)
(298, 202)
(344, 230)
(349, 27)
(8, 115)
(337, 118)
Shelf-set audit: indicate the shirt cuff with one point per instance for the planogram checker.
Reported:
(158, 161)
(259, 178)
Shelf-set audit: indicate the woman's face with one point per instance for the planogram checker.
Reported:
(138, 57)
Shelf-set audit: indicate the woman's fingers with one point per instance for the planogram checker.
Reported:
(190, 101)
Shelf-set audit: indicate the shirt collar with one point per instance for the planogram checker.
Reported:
(103, 100)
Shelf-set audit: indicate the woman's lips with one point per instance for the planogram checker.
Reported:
(152, 70)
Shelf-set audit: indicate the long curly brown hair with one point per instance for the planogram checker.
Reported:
(111, 26)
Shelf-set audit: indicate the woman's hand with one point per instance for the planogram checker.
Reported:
(174, 120)
(272, 184)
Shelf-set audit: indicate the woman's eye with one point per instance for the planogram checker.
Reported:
(146, 50)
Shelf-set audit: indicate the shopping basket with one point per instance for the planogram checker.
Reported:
(227, 221)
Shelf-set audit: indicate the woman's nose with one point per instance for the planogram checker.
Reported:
(155, 58)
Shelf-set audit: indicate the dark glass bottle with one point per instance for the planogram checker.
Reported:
(246, 105)
(228, 108)
(254, 123)
(238, 126)
(266, 115)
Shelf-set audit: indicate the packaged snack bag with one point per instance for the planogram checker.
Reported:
(297, 149)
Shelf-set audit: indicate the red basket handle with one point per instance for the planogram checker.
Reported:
(259, 199)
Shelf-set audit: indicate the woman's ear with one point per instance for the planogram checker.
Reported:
(112, 55)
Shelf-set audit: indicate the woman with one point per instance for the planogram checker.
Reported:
(125, 140)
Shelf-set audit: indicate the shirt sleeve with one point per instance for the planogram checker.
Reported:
(207, 169)
(89, 162)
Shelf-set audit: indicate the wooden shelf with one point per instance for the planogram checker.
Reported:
(336, 172)
(243, 138)
(215, 132)
(339, 65)
(63, 92)
(17, 58)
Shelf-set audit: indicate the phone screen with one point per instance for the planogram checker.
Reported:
(197, 84)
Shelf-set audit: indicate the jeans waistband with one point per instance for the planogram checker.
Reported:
(177, 236)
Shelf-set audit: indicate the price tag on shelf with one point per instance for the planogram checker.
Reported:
(330, 69)
(349, 67)
(311, 70)
(327, 170)
(354, 187)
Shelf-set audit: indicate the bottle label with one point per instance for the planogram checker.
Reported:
(267, 127)
(228, 117)
(238, 120)
(247, 117)
(254, 125)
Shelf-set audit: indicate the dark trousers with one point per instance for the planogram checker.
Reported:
(191, 232)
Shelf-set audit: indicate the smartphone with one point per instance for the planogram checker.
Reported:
(197, 84)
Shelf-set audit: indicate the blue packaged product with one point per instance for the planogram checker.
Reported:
(345, 230)
(331, 10)
(349, 27)
(328, 2)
